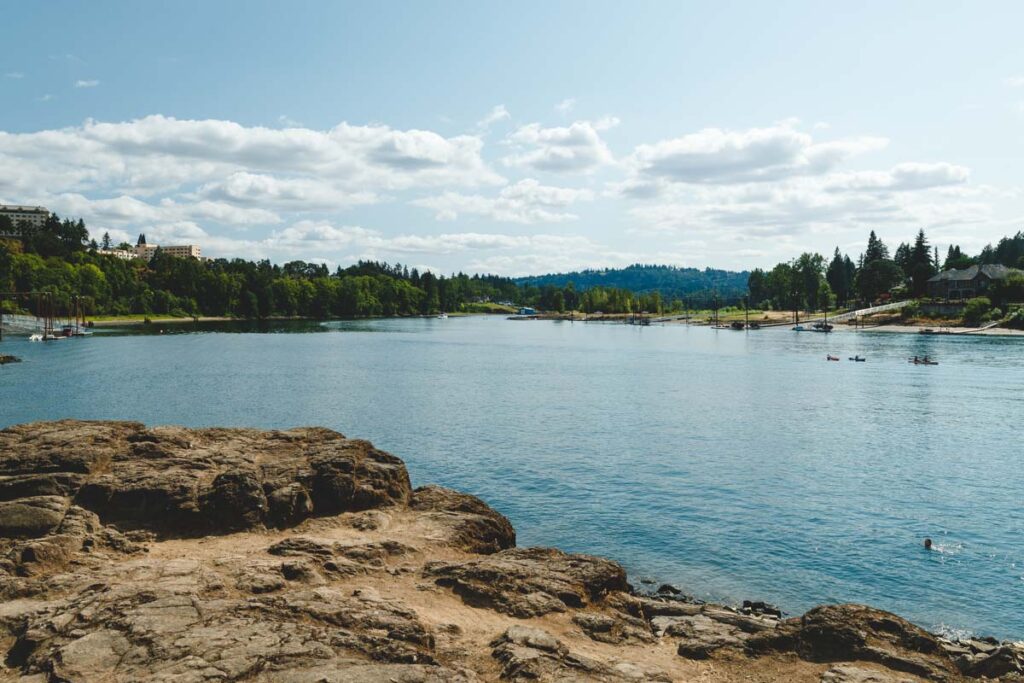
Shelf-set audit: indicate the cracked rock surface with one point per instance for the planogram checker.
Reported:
(180, 555)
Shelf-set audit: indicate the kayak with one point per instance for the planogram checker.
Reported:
(831, 357)
(857, 359)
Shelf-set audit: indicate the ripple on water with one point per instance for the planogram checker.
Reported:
(733, 465)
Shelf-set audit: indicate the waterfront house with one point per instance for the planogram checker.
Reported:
(967, 282)
(526, 310)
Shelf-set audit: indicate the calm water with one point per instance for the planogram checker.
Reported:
(736, 465)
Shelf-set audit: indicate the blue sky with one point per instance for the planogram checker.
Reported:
(520, 137)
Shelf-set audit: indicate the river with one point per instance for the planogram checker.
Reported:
(733, 464)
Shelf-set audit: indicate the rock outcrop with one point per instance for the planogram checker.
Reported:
(191, 555)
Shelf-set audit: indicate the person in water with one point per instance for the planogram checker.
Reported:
(927, 544)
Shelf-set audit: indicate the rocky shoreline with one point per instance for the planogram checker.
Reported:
(167, 554)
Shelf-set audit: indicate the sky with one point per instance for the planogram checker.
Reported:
(518, 138)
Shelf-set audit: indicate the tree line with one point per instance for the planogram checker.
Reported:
(811, 282)
(61, 257)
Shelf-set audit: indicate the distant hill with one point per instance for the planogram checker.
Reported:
(672, 282)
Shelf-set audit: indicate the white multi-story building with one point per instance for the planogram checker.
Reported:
(123, 254)
(35, 215)
(146, 251)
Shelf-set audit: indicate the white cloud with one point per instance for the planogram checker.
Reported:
(297, 194)
(45, 98)
(126, 210)
(498, 113)
(17, 75)
(796, 213)
(575, 148)
(158, 154)
(566, 106)
(524, 202)
(1015, 81)
(714, 155)
(288, 122)
(902, 177)
(86, 83)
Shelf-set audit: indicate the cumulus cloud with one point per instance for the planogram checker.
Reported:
(714, 155)
(297, 194)
(86, 83)
(498, 113)
(566, 105)
(127, 210)
(902, 177)
(159, 153)
(907, 197)
(574, 148)
(524, 202)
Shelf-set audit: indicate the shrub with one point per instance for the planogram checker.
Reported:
(1016, 319)
(910, 311)
(976, 308)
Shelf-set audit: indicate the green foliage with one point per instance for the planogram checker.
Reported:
(1008, 252)
(700, 286)
(798, 284)
(911, 311)
(976, 309)
(1009, 290)
(1016, 319)
(956, 259)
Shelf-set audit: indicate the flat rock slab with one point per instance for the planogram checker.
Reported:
(529, 582)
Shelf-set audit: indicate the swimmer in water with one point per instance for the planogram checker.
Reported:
(927, 544)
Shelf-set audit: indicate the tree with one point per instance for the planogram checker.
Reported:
(876, 278)
(757, 286)
(839, 279)
(920, 267)
(809, 269)
(105, 243)
(876, 251)
(956, 259)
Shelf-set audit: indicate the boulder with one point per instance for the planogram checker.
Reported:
(529, 582)
(476, 527)
(190, 482)
(31, 517)
(838, 633)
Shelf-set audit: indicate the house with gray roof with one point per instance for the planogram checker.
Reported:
(967, 282)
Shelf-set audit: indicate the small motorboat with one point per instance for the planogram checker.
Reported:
(737, 325)
(442, 316)
(35, 338)
(831, 357)
(858, 359)
(799, 328)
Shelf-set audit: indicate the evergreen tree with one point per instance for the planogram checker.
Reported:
(876, 251)
(839, 280)
(920, 267)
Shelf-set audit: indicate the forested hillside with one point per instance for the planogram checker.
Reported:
(670, 282)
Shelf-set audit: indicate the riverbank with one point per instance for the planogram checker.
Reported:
(162, 554)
